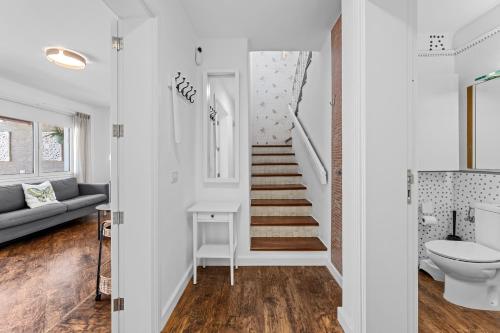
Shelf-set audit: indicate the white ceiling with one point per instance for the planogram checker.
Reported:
(268, 24)
(27, 26)
(449, 16)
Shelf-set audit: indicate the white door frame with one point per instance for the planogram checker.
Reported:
(150, 278)
(352, 315)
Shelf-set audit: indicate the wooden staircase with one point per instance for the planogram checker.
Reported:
(281, 215)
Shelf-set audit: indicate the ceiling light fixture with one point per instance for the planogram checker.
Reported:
(65, 58)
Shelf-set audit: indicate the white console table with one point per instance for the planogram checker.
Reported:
(204, 214)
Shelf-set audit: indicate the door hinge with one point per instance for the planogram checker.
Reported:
(118, 217)
(410, 179)
(117, 43)
(118, 130)
(118, 304)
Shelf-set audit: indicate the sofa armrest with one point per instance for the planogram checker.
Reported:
(87, 189)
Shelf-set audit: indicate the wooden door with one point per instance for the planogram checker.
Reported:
(336, 172)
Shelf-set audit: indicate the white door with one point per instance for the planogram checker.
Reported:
(134, 178)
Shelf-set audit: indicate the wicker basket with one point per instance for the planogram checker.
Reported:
(106, 228)
(105, 285)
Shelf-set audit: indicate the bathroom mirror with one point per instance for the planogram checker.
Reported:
(221, 126)
(483, 125)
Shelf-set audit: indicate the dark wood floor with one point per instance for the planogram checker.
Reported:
(263, 299)
(47, 282)
(438, 315)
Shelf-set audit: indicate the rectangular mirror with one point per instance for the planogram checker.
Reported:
(483, 125)
(221, 126)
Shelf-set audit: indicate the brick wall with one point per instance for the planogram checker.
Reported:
(336, 246)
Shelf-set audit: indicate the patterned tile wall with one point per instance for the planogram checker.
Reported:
(450, 191)
(272, 80)
(435, 187)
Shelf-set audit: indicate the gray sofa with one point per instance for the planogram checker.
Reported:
(76, 200)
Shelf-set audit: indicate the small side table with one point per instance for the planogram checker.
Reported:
(206, 213)
(101, 209)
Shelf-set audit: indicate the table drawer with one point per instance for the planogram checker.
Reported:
(214, 217)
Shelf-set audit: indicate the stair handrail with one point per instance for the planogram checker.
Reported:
(318, 166)
(300, 79)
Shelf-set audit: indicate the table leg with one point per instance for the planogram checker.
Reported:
(195, 246)
(97, 291)
(231, 249)
(98, 224)
(203, 241)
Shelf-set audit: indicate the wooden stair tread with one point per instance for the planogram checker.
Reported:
(278, 187)
(273, 154)
(286, 244)
(281, 202)
(275, 163)
(276, 175)
(284, 221)
(272, 146)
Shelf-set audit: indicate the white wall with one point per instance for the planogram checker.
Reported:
(21, 101)
(227, 54)
(375, 103)
(315, 113)
(176, 189)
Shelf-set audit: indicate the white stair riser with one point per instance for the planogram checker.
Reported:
(285, 194)
(282, 231)
(272, 150)
(273, 159)
(276, 180)
(281, 210)
(259, 169)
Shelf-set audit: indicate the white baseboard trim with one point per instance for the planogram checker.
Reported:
(335, 273)
(344, 320)
(280, 259)
(169, 307)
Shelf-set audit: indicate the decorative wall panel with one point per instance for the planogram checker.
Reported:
(4, 146)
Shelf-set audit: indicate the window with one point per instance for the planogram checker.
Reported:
(16, 147)
(18, 140)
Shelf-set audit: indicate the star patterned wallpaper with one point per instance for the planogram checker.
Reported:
(272, 76)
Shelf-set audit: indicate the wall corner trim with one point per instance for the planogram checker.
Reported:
(344, 320)
(169, 306)
(335, 273)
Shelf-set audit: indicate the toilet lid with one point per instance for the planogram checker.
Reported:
(463, 251)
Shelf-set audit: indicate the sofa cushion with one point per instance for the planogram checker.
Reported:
(65, 188)
(26, 215)
(84, 201)
(11, 198)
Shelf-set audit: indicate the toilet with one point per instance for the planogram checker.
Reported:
(472, 269)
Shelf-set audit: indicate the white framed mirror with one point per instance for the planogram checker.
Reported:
(221, 108)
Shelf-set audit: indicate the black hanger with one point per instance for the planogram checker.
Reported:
(178, 84)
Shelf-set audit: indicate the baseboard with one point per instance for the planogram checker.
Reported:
(335, 273)
(169, 307)
(282, 259)
(344, 320)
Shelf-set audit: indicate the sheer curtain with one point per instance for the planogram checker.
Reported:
(82, 147)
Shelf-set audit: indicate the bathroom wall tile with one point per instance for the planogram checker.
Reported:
(470, 188)
(450, 191)
(435, 187)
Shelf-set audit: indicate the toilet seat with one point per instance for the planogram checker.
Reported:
(463, 251)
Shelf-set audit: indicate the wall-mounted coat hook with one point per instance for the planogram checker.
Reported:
(184, 88)
(190, 98)
(187, 92)
(177, 76)
(178, 84)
